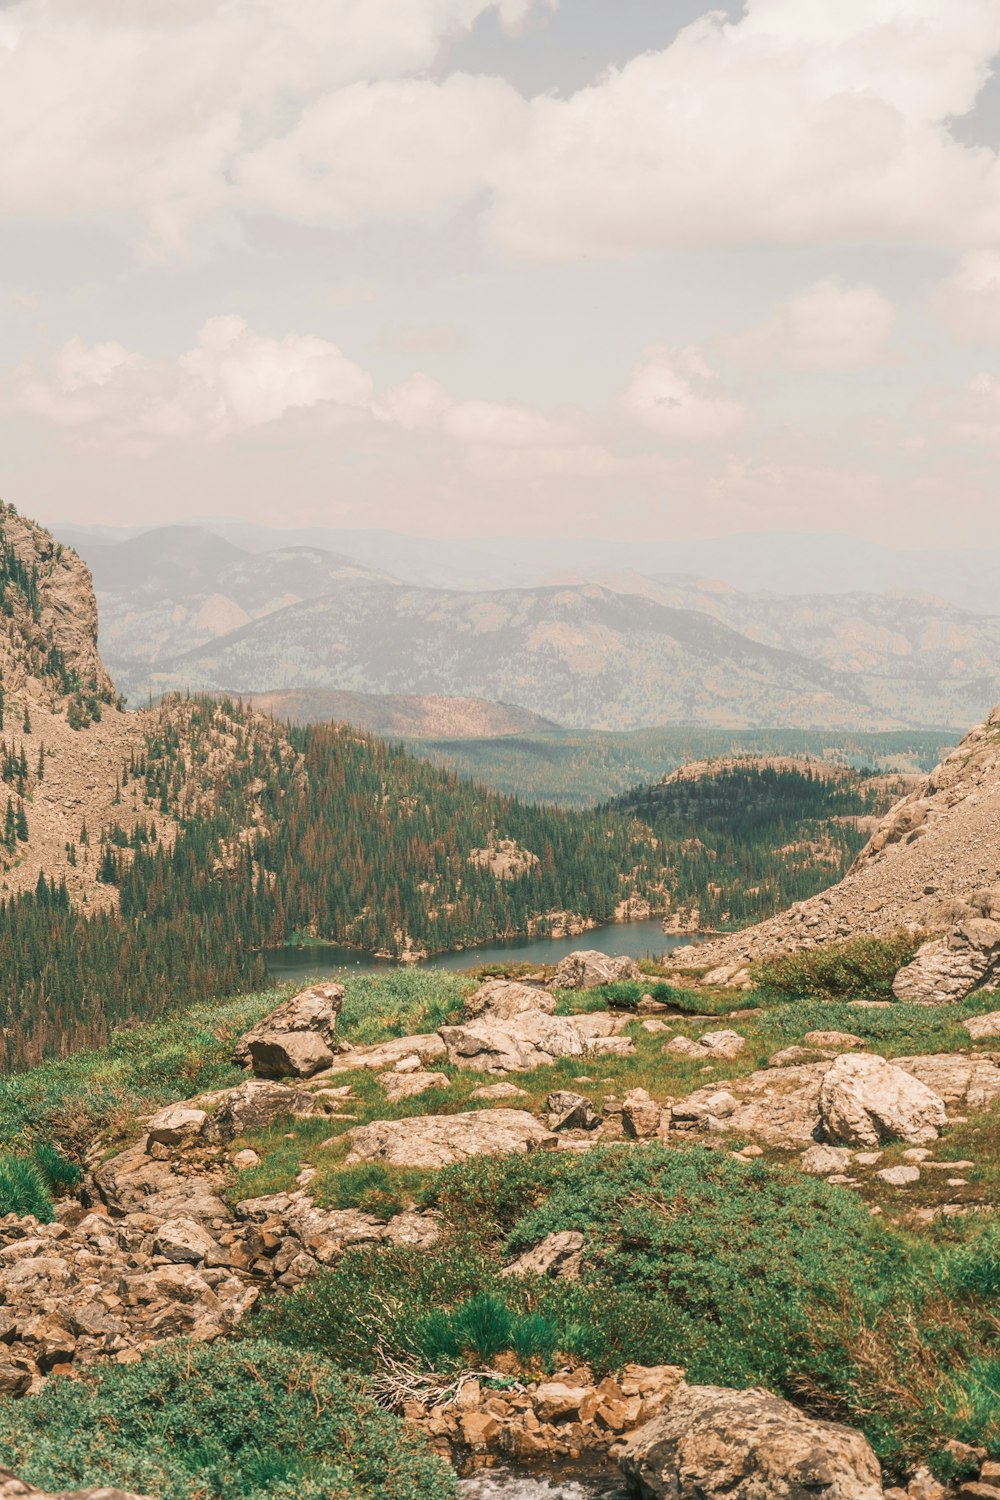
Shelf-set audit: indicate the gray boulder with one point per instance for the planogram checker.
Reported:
(290, 1054)
(439, 1140)
(176, 1123)
(503, 999)
(312, 1010)
(531, 1040)
(715, 1444)
(587, 969)
(256, 1104)
(866, 1101)
(947, 969)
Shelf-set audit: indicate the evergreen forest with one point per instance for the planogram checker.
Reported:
(323, 832)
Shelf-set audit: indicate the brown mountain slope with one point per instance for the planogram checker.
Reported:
(920, 869)
(427, 716)
(66, 746)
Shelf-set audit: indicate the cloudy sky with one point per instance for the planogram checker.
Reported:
(504, 266)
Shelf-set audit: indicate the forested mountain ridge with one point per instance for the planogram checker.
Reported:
(149, 857)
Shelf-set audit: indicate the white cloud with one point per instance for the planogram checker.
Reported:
(969, 300)
(672, 393)
(803, 122)
(826, 326)
(232, 380)
(405, 148)
(169, 117)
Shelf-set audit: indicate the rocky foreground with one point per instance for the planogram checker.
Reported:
(157, 1244)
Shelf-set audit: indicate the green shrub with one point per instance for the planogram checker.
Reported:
(234, 1421)
(861, 968)
(23, 1190)
(369, 1187)
(60, 1174)
(625, 995)
(973, 1269)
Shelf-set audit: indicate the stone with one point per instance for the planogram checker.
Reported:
(587, 969)
(723, 1044)
(256, 1105)
(899, 1176)
(610, 1046)
(408, 1085)
(176, 1123)
(947, 969)
(554, 1400)
(499, 1091)
(982, 1027)
(439, 1140)
(654, 1024)
(790, 1057)
(837, 1041)
(293, 1054)
(569, 1111)
(971, 1081)
(503, 999)
(715, 1444)
(427, 1046)
(312, 1011)
(184, 1240)
(640, 1115)
(531, 1040)
(245, 1160)
(820, 1161)
(866, 1101)
(559, 1254)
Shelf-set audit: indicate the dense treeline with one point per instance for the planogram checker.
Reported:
(746, 840)
(325, 832)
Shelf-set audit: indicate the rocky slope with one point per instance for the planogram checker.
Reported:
(932, 864)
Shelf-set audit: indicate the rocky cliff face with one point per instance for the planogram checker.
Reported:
(48, 634)
(931, 865)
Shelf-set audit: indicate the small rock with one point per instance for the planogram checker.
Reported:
(244, 1160)
(837, 1041)
(408, 1085)
(176, 1123)
(640, 1115)
(819, 1161)
(899, 1176)
(569, 1111)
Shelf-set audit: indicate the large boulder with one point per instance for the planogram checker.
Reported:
(947, 969)
(289, 1054)
(587, 969)
(528, 1041)
(963, 1081)
(312, 1010)
(439, 1140)
(866, 1101)
(981, 1028)
(176, 1123)
(715, 1444)
(503, 999)
(257, 1104)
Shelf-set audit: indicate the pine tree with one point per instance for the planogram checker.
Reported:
(22, 823)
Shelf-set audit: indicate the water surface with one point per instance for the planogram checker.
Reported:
(634, 939)
(511, 1484)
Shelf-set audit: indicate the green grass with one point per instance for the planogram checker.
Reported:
(235, 1421)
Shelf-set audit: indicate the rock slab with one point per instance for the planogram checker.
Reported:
(716, 1444)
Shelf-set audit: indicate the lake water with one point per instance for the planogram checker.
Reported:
(635, 939)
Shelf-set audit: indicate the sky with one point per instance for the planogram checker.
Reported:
(504, 267)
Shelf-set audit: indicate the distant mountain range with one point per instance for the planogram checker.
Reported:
(184, 607)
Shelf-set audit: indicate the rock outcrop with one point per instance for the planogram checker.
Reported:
(932, 866)
(947, 969)
(310, 1015)
(866, 1101)
(715, 1444)
(588, 969)
(531, 1039)
(505, 999)
(439, 1140)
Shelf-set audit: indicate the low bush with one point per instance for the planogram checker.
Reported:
(59, 1173)
(860, 968)
(626, 995)
(235, 1421)
(371, 1188)
(23, 1189)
